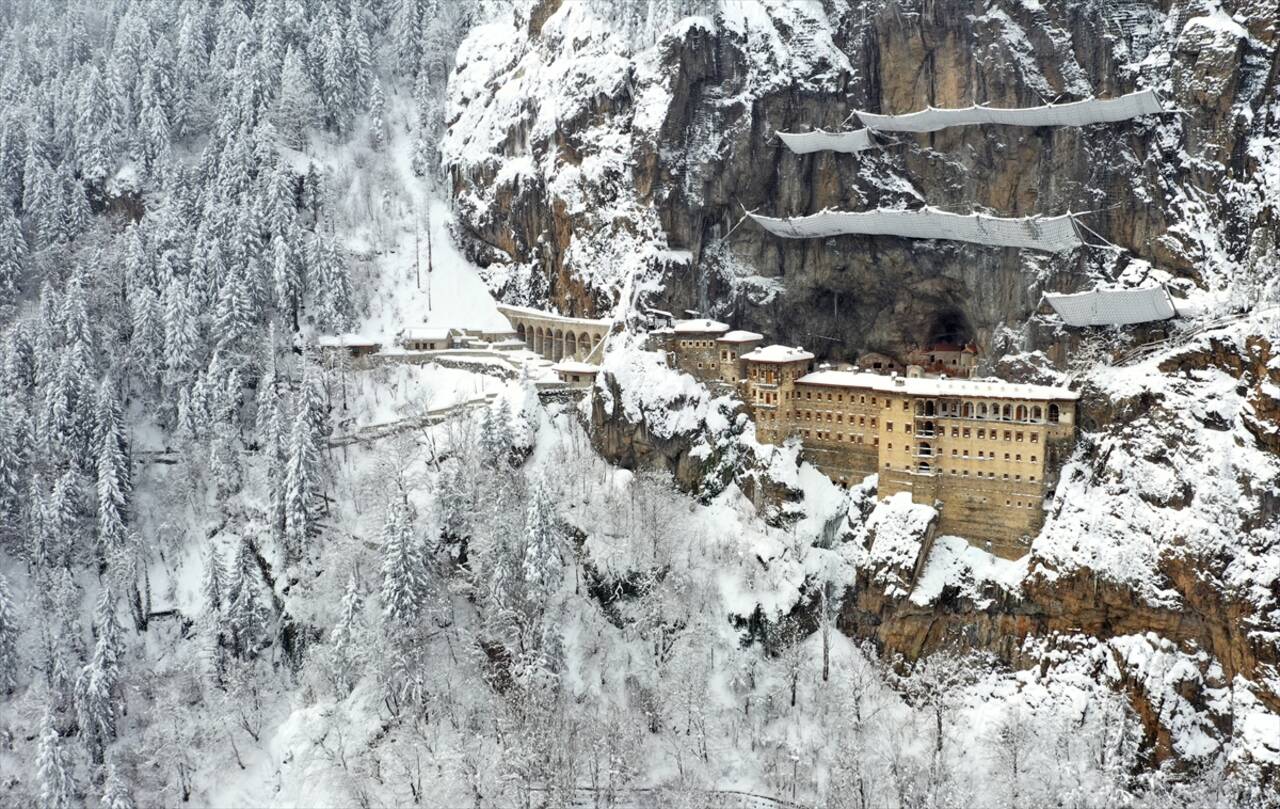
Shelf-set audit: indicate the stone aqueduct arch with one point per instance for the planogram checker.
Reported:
(557, 337)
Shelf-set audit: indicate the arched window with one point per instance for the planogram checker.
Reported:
(968, 409)
(584, 344)
(919, 408)
(1022, 413)
(929, 408)
(539, 341)
(570, 345)
(1036, 413)
(1007, 415)
(1053, 414)
(926, 449)
(924, 467)
(982, 409)
(520, 332)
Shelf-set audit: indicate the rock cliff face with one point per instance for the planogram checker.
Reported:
(630, 166)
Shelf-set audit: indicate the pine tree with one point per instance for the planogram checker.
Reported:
(345, 652)
(377, 113)
(13, 252)
(8, 639)
(404, 570)
(295, 107)
(495, 435)
(300, 484)
(14, 457)
(53, 776)
(180, 334)
(97, 684)
(213, 591)
(115, 792)
(246, 619)
(542, 565)
(114, 484)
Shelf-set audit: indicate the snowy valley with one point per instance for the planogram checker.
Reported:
(292, 515)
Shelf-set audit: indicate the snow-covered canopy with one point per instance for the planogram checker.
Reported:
(1112, 307)
(820, 140)
(1075, 113)
(574, 367)
(1049, 233)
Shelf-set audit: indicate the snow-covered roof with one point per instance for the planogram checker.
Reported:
(1049, 233)
(574, 367)
(1112, 307)
(819, 140)
(740, 336)
(700, 326)
(423, 333)
(1075, 113)
(529, 311)
(921, 386)
(777, 353)
(345, 341)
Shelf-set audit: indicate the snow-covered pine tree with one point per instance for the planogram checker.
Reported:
(113, 468)
(115, 792)
(377, 123)
(13, 252)
(246, 618)
(97, 685)
(213, 592)
(495, 434)
(8, 639)
(14, 470)
(404, 570)
(54, 786)
(345, 652)
(296, 103)
(300, 485)
(543, 564)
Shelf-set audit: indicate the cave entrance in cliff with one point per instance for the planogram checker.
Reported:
(949, 326)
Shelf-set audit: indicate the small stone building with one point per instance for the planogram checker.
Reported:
(878, 363)
(576, 374)
(424, 339)
(946, 358)
(352, 345)
(733, 345)
(692, 347)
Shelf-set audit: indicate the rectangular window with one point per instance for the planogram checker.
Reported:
(1032, 478)
(982, 433)
(1006, 456)
(905, 405)
(1035, 438)
(906, 428)
(1008, 436)
(955, 432)
(1019, 435)
(1033, 459)
(888, 426)
(1018, 458)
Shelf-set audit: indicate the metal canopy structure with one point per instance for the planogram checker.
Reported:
(1051, 234)
(820, 140)
(1113, 307)
(1075, 113)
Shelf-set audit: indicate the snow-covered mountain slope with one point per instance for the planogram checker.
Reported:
(236, 570)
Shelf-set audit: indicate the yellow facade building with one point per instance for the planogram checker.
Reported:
(985, 453)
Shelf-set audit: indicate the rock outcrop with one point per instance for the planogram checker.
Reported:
(628, 168)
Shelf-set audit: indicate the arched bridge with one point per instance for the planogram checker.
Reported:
(558, 337)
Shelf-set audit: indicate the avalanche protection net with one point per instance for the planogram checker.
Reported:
(1075, 113)
(820, 140)
(1112, 307)
(1048, 233)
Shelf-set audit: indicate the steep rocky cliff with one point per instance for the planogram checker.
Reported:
(595, 171)
(628, 165)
